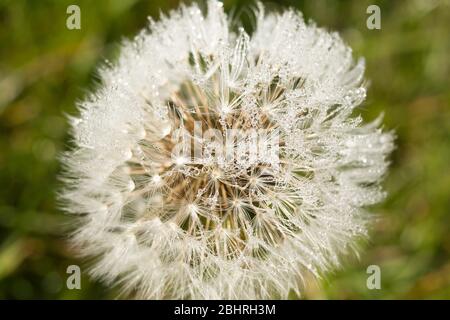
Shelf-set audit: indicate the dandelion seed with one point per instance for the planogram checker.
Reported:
(156, 178)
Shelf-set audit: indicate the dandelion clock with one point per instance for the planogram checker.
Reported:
(215, 163)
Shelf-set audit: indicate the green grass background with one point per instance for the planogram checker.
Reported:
(45, 68)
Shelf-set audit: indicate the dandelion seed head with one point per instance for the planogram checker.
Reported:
(166, 224)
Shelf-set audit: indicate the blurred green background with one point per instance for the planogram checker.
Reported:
(45, 68)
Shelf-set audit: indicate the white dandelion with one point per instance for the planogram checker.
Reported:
(209, 226)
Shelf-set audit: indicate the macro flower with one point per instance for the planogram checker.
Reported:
(212, 163)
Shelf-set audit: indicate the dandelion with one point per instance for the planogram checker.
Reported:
(166, 224)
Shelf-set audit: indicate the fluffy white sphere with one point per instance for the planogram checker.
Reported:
(211, 226)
